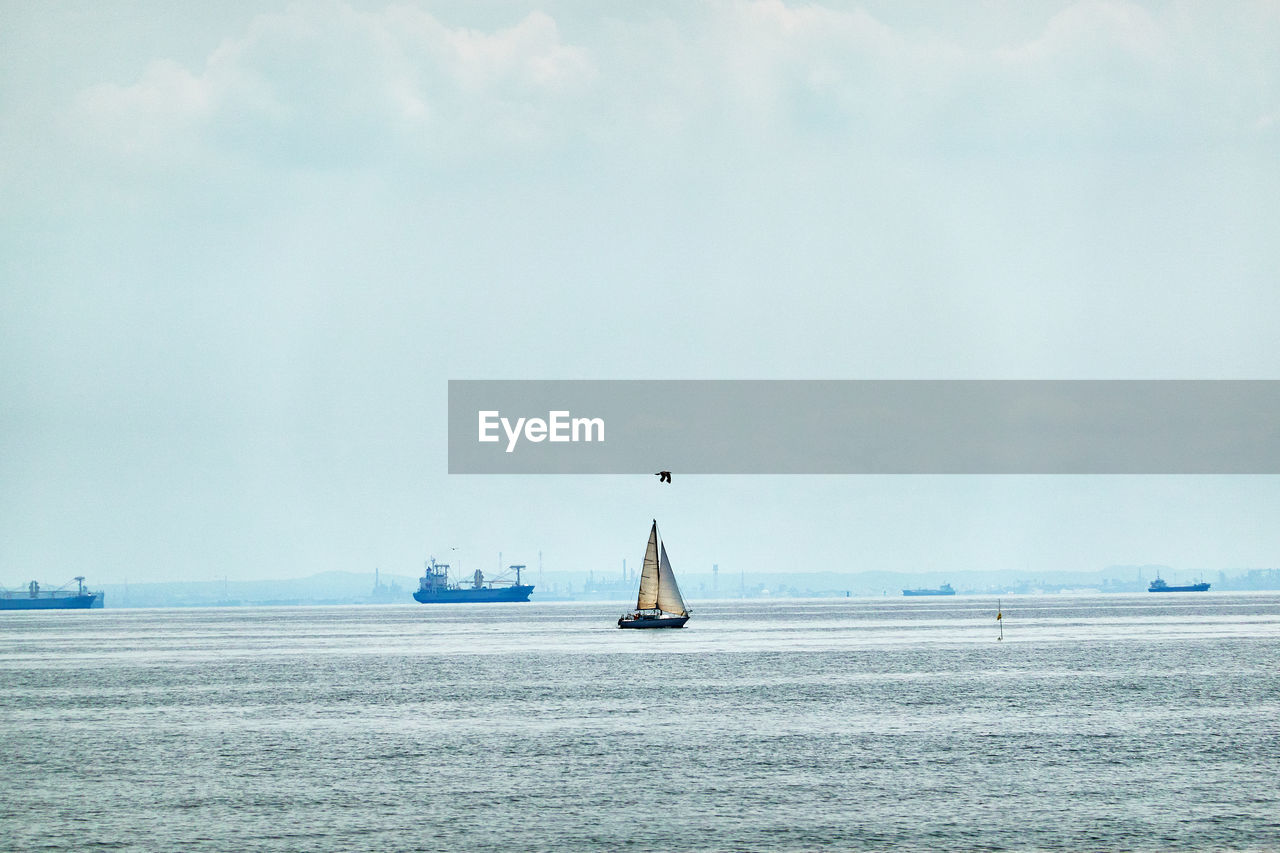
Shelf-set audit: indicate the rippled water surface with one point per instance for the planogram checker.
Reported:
(1144, 722)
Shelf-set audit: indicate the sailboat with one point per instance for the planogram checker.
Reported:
(659, 604)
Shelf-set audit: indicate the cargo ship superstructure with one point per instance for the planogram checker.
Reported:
(35, 598)
(945, 589)
(434, 587)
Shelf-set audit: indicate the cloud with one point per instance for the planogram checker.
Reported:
(693, 90)
(1087, 30)
(327, 85)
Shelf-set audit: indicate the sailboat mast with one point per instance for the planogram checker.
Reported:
(658, 587)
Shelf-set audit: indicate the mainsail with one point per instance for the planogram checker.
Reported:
(658, 588)
(648, 599)
(668, 592)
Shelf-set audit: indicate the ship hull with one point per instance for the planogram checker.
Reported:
(653, 622)
(913, 592)
(519, 592)
(66, 602)
(1196, 587)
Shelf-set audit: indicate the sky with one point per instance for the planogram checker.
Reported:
(243, 249)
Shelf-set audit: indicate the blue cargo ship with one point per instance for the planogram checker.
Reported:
(434, 587)
(35, 598)
(1158, 585)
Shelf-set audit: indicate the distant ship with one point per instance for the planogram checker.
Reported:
(659, 603)
(434, 588)
(945, 589)
(35, 598)
(1158, 585)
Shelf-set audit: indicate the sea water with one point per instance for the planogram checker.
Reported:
(1120, 722)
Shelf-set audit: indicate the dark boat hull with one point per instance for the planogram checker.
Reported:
(1195, 587)
(62, 602)
(519, 592)
(653, 622)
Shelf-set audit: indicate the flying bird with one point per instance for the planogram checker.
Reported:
(663, 476)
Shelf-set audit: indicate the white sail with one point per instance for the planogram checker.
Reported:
(668, 591)
(648, 599)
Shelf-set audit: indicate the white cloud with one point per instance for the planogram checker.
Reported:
(1092, 28)
(332, 86)
(329, 85)
(150, 117)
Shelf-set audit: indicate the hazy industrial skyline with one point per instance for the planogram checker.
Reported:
(243, 249)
